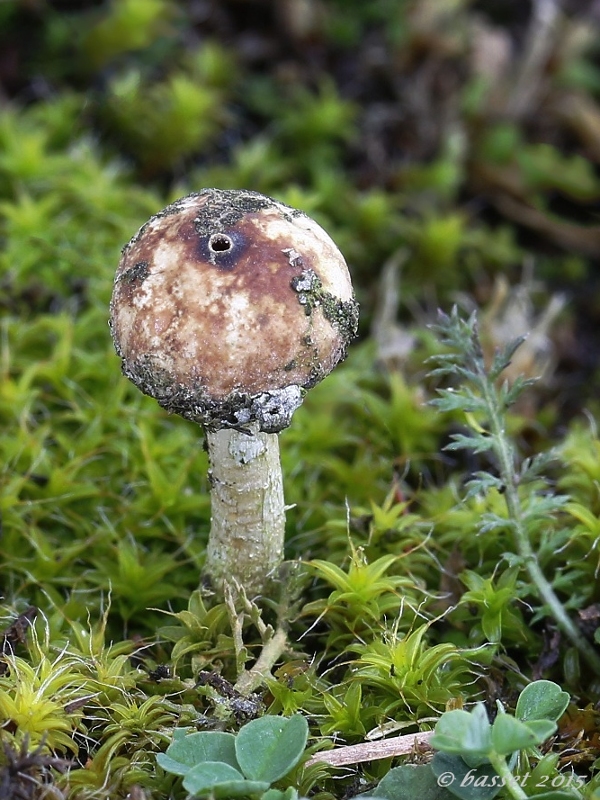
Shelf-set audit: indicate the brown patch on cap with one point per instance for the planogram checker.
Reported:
(204, 299)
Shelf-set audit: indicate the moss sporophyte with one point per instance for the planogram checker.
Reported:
(227, 306)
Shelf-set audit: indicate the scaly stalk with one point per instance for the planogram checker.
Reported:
(248, 512)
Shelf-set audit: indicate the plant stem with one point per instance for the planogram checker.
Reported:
(506, 457)
(247, 510)
(251, 679)
(512, 785)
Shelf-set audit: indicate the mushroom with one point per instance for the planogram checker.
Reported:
(227, 306)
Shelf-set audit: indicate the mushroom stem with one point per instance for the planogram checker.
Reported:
(248, 512)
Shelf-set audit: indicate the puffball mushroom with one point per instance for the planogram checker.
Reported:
(227, 306)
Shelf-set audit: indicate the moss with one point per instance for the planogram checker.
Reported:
(226, 208)
(342, 314)
(104, 499)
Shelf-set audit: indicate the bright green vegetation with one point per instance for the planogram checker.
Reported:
(223, 765)
(443, 540)
(476, 759)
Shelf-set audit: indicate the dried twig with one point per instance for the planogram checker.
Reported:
(372, 751)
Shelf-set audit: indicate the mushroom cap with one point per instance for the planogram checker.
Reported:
(227, 305)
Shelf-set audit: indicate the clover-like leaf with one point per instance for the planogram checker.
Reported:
(218, 780)
(179, 733)
(541, 700)
(463, 732)
(185, 752)
(269, 747)
(276, 794)
(466, 782)
(411, 781)
(510, 734)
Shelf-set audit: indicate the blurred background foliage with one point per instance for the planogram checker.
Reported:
(460, 137)
(451, 148)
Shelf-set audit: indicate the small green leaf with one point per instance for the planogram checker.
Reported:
(510, 734)
(275, 794)
(171, 765)
(462, 732)
(541, 700)
(475, 442)
(269, 747)
(491, 624)
(557, 794)
(187, 751)
(179, 733)
(542, 728)
(218, 780)
(411, 781)
(468, 783)
(482, 482)
(450, 730)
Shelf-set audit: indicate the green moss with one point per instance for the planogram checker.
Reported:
(405, 601)
(342, 314)
(225, 208)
